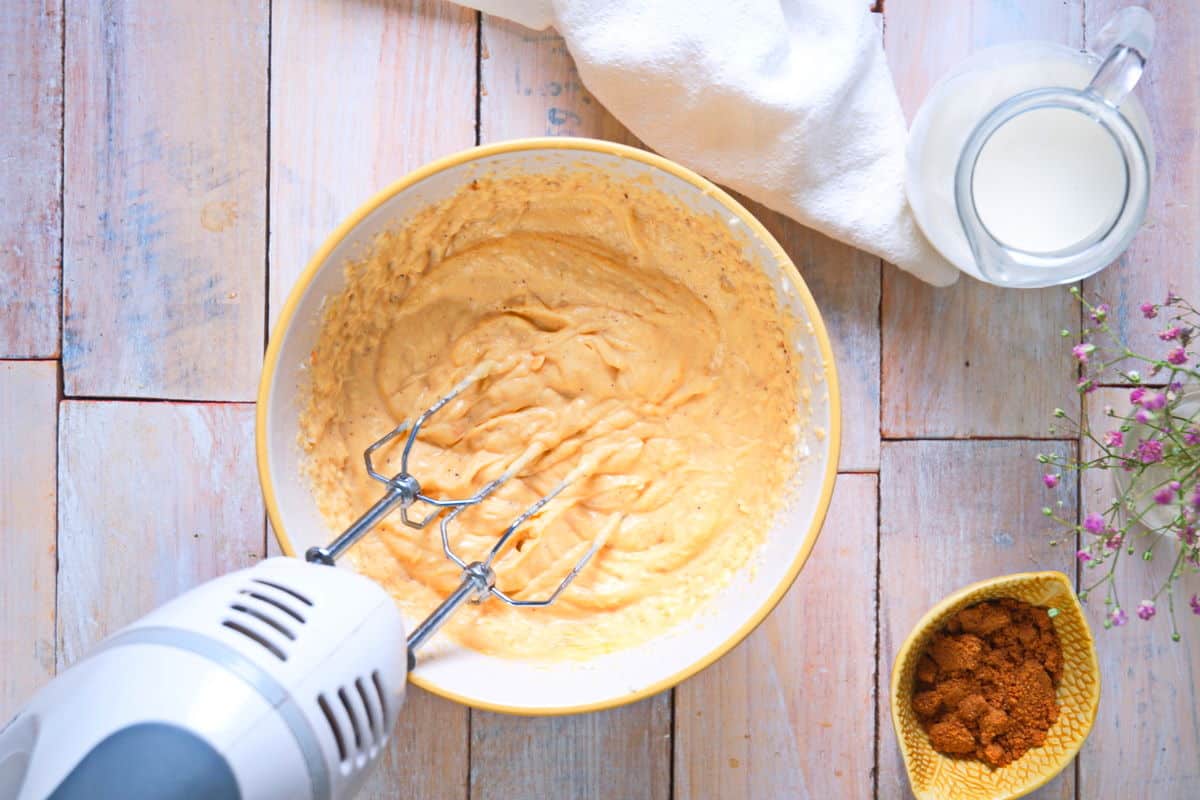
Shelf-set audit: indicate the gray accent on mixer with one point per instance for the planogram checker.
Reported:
(255, 676)
(150, 761)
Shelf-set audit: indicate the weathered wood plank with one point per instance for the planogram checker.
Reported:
(154, 498)
(28, 421)
(31, 178)
(1148, 712)
(1166, 253)
(790, 712)
(428, 757)
(165, 198)
(952, 513)
(530, 87)
(622, 753)
(361, 93)
(846, 285)
(970, 360)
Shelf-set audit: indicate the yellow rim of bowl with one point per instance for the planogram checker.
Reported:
(954, 599)
(271, 362)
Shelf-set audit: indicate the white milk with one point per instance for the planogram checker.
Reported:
(1046, 180)
(1049, 179)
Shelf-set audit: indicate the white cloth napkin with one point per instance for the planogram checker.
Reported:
(789, 102)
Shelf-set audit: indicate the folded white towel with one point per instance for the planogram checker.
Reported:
(789, 102)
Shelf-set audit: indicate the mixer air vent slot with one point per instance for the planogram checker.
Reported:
(255, 636)
(383, 705)
(374, 725)
(266, 619)
(357, 718)
(285, 590)
(275, 603)
(267, 614)
(355, 723)
(334, 727)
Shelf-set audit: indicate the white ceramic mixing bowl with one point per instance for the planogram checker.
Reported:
(561, 687)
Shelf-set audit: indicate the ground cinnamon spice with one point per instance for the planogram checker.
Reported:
(985, 684)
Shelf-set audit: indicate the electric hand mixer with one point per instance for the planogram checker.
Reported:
(279, 681)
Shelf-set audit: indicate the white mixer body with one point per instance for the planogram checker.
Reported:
(280, 681)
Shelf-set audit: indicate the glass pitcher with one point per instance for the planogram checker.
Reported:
(1030, 163)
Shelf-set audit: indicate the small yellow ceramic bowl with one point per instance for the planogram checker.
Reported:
(934, 776)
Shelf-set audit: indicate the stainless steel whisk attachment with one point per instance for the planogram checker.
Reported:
(404, 490)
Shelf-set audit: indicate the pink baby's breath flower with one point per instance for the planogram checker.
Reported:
(1170, 334)
(1166, 438)
(1149, 451)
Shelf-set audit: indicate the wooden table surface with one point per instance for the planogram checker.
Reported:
(167, 167)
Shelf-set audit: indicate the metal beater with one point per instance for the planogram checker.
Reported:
(404, 490)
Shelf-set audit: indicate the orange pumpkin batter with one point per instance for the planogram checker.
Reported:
(627, 339)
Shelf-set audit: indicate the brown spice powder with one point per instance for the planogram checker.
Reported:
(985, 685)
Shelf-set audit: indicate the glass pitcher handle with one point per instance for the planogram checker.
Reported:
(1124, 43)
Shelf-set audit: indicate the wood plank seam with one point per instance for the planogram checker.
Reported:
(62, 251)
(97, 398)
(471, 721)
(875, 739)
(984, 438)
(267, 199)
(671, 765)
(478, 78)
(1077, 576)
